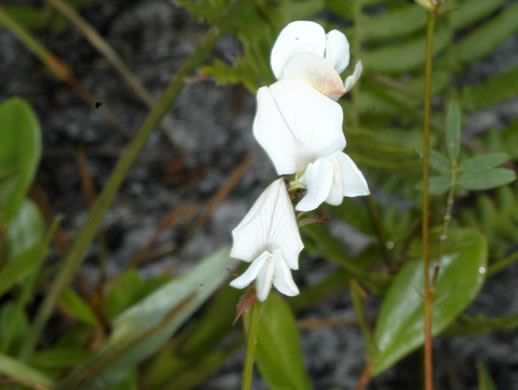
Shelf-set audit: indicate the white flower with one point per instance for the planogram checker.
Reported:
(296, 125)
(301, 131)
(329, 179)
(303, 51)
(269, 238)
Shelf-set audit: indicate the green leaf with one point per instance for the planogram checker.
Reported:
(19, 371)
(403, 57)
(143, 328)
(484, 379)
(453, 130)
(392, 24)
(437, 185)
(25, 229)
(14, 326)
(75, 306)
(483, 162)
(400, 325)
(486, 180)
(60, 357)
(488, 36)
(21, 266)
(20, 150)
(480, 325)
(437, 161)
(495, 90)
(279, 355)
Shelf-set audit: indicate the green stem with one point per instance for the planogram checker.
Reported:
(355, 92)
(253, 327)
(445, 223)
(89, 230)
(502, 264)
(428, 365)
(356, 295)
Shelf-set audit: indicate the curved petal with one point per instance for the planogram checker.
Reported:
(312, 123)
(352, 79)
(296, 37)
(354, 183)
(273, 134)
(252, 271)
(315, 71)
(250, 236)
(336, 196)
(337, 50)
(282, 279)
(270, 223)
(318, 180)
(263, 284)
(284, 231)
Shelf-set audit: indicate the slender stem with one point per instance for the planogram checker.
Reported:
(89, 230)
(356, 49)
(428, 365)
(251, 343)
(445, 223)
(500, 265)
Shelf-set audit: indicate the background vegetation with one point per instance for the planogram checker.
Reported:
(103, 325)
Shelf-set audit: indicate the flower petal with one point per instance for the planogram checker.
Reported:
(252, 271)
(263, 284)
(354, 183)
(336, 196)
(318, 180)
(315, 71)
(282, 279)
(273, 134)
(337, 50)
(284, 231)
(352, 79)
(296, 37)
(270, 223)
(296, 125)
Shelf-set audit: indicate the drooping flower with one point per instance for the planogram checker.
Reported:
(268, 237)
(301, 131)
(329, 179)
(303, 51)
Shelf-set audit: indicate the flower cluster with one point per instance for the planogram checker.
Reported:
(299, 125)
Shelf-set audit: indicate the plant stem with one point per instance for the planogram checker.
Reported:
(89, 230)
(428, 365)
(253, 327)
(355, 92)
(445, 223)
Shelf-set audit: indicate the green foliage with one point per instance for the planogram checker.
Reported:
(496, 216)
(20, 149)
(480, 325)
(144, 315)
(279, 356)
(399, 327)
(145, 326)
(19, 371)
(484, 379)
(453, 130)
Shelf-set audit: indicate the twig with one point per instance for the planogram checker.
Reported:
(253, 328)
(428, 361)
(365, 376)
